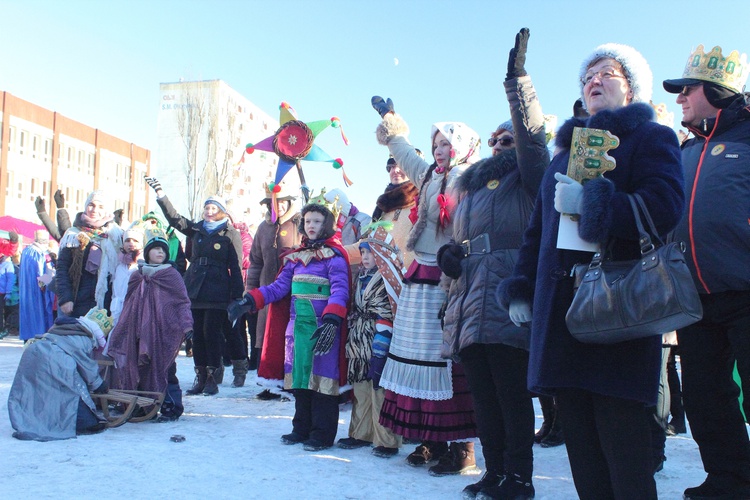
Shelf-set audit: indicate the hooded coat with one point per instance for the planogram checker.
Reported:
(648, 163)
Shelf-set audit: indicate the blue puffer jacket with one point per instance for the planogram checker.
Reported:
(716, 225)
(7, 275)
(648, 163)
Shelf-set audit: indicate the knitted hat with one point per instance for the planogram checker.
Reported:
(134, 232)
(729, 72)
(508, 125)
(464, 141)
(218, 201)
(636, 69)
(100, 196)
(41, 236)
(281, 192)
(364, 244)
(155, 237)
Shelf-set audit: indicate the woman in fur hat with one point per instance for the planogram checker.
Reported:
(213, 279)
(496, 200)
(89, 252)
(427, 398)
(604, 392)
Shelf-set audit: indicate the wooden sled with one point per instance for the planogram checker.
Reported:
(137, 406)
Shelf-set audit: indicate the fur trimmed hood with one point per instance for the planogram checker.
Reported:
(495, 167)
(620, 122)
(400, 196)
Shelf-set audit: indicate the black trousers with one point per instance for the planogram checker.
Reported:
(316, 415)
(503, 407)
(211, 328)
(609, 445)
(708, 350)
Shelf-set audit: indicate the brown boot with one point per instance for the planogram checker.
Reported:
(200, 381)
(239, 370)
(210, 388)
(427, 452)
(458, 460)
(219, 375)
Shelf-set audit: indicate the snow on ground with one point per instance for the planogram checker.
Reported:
(232, 450)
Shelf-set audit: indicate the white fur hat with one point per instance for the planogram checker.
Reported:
(637, 71)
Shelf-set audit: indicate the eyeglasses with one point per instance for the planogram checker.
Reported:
(688, 89)
(505, 141)
(602, 74)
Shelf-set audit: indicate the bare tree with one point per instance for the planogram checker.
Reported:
(191, 121)
(224, 139)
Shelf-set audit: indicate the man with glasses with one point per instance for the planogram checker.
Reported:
(716, 231)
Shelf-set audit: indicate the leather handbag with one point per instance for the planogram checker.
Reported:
(617, 301)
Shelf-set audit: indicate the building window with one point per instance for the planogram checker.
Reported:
(20, 189)
(35, 143)
(90, 169)
(44, 188)
(11, 138)
(22, 141)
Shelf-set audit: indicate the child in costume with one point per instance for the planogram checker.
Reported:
(155, 319)
(317, 276)
(369, 336)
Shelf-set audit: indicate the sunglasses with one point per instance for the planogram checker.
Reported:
(505, 141)
(688, 89)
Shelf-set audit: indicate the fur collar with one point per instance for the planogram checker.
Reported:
(400, 196)
(478, 175)
(620, 122)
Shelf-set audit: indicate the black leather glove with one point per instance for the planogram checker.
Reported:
(325, 334)
(118, 216)
(59, 199)
(155, 184)
(245, 305)
(449, 259)
(103, 388)
(381, 106)
(40, 206)
(517, 56)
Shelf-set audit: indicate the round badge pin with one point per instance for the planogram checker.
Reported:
(217, 246)
(493, 184)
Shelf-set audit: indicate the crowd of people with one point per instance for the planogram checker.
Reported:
(443, 314)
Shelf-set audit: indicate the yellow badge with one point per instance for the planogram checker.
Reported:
(217, 246)
(493, 184)
(283, 232)
(717, 150)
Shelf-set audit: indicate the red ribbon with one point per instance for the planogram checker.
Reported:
(445, 217)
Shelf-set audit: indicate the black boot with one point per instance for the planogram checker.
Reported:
(200, 381)
(219, 375)
(211, 387)
(513, 487)
(548, 412)
(239, 370)
(556, 437)
(459, 460)
(254, 358)
(490, 479)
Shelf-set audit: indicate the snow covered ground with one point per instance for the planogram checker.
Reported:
(232, 450)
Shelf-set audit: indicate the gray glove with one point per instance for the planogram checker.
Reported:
(59, 199)
(325, 334)
(568, 195)
(40, 206)
(519, 312)
(383, 107)
(517, 57)
(151, 181)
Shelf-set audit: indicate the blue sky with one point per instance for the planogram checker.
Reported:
(101, 62)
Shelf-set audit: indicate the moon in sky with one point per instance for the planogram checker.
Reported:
(395, 61)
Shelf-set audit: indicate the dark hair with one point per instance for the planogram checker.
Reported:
(329, 224)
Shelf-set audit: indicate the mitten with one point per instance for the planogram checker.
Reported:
(40, 206)
(381, 106)
(381, 343)
(568, 195)
(59, 199)
(103, 388)
(155, 184)
(376, 370)
(517, 57)
(519, 312)
(449, 259)
(325, 334)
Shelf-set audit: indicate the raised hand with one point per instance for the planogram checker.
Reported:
(517, 56)
(59, 199)
(383, 107)
(155, 184)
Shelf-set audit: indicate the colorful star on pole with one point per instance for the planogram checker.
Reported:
(294, 142)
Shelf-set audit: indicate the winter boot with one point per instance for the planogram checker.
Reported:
(254, 358)
(513, 487)
(458, 460)
(239, 370)
(219, 375)
(200, 381)
(548, 412)
(211, 387)
(556, 437)
(490, 479)
(427, 452)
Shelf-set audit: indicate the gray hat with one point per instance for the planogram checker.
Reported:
(508, 125)
(637, 72)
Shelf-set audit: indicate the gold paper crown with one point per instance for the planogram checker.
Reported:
(333, 206)
(101, 318)
(663, 115)
(730, 72)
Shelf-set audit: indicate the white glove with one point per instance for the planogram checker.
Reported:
(568, 195)
(519, 312)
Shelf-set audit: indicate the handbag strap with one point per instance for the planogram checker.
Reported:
(645, 239)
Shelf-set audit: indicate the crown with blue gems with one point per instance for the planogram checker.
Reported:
(730, 72)
(333, 206)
